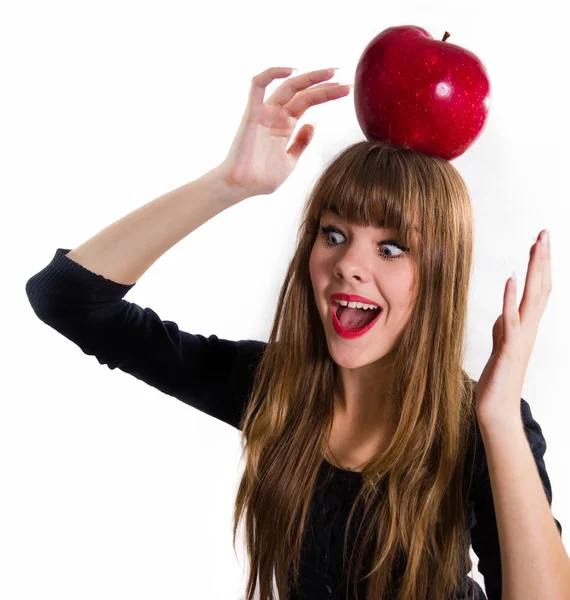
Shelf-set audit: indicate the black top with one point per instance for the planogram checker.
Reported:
(215, 376)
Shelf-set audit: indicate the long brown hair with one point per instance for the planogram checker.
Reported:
(413, 493)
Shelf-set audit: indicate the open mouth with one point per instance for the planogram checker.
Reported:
(355, 319)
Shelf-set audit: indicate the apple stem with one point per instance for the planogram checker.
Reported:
(447, 34)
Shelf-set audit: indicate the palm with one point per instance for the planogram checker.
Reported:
(490, 382)
(262, 149)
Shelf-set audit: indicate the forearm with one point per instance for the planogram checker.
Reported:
(124, 250)
(534, 562)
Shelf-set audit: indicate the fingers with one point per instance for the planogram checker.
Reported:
(285, 92)
(262, 80)
(291, 92)
(317, 95)
(547, 269)
(302, 140)
(538, 283)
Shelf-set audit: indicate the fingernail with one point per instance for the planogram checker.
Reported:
(514, 277)
(545, 238)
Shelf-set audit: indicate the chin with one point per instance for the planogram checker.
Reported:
(356, 356)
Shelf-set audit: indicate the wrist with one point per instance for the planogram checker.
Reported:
(491, 426)
(232, 190)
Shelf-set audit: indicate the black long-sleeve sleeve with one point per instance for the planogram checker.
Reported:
(211, 374)
(484, 533)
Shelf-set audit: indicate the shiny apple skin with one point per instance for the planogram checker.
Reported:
(413, 91)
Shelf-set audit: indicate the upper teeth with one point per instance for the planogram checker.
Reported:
(356, 304)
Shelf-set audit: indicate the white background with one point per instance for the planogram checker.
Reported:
(111, 489)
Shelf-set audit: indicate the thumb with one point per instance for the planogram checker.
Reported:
(302, 140)
(497, 333)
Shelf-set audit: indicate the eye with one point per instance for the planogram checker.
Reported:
(325, 233)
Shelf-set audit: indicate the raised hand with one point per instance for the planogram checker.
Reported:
(499, 388)
(258, 160)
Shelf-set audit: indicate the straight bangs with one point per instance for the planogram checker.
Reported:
(371, 190)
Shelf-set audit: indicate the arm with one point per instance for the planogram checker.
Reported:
(533, 562)
(80, 295)
(127, 248)
(211, 374)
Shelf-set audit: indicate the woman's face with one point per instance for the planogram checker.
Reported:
(358, 262)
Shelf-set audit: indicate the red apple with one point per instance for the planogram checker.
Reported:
(416, 92)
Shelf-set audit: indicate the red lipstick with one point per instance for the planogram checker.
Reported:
(351, 333)
(353, 298)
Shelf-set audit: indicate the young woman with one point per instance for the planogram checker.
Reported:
(363, 452)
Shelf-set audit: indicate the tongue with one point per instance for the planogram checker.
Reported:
(355, 318)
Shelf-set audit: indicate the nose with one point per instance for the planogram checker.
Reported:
(353, 265)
